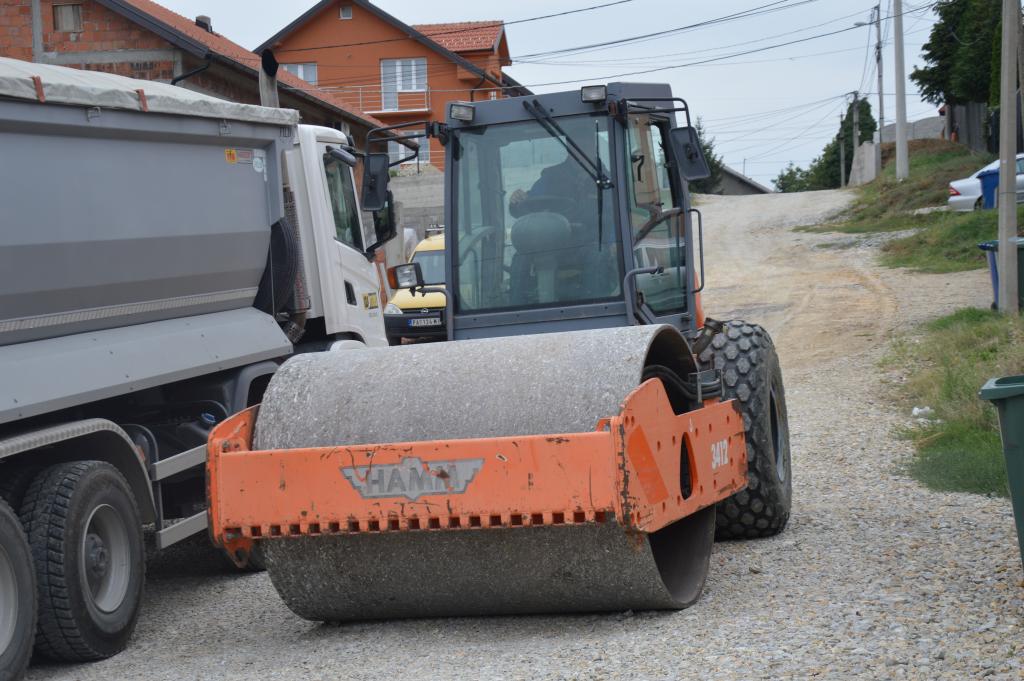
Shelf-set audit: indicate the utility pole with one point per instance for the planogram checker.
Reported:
(856, 121)
(902, 159)
(1020, 64)
(1008, 160)
(881, 99)
(842, 154)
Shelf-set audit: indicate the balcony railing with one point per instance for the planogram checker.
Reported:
(374, 99)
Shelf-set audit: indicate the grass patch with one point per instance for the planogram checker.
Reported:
(946, 242)
(947, 365)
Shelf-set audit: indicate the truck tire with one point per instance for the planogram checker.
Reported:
(85, 532)
(746, 356)
(14, 483)
(18, 596)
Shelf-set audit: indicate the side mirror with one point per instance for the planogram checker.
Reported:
(343, 156)
(689, 155)
(384, 222)
(376, 175)
(408, 276)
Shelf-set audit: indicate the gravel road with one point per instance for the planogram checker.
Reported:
(875, 577)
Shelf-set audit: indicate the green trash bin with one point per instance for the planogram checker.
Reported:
(1007, 394)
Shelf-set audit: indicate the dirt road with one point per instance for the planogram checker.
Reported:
(875, 577)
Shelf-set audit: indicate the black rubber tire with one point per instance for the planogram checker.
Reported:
(55, 513)
(14, 546)
(14, 482)
(751, 375)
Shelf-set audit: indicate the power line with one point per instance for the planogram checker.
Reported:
(710, 49)
(464, 30)
(754, 11)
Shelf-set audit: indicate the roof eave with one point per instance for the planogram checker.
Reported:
(169, 34)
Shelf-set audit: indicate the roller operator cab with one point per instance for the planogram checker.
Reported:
(569, 211)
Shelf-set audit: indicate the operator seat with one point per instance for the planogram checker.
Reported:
(539, 239)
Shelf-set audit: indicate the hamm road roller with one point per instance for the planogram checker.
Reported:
(582, 437)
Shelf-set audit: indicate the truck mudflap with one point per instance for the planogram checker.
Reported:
(641, 469)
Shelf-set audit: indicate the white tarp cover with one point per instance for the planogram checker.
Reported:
(63, 85)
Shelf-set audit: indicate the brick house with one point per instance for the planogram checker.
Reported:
(395, 72)
(142, 39)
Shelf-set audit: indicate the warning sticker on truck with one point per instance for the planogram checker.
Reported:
(234, 156)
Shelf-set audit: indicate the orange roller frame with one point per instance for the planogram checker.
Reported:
(644, 468)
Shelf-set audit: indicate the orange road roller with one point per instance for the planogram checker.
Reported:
(584, 435)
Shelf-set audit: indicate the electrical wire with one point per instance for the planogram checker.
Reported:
(462, 30)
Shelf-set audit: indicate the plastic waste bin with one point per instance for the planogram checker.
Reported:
(991, 248)
(989, 185)
(1007, 394)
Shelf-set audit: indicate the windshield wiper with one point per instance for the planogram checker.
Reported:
(551, 126)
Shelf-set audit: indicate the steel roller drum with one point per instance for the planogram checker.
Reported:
(527, 385)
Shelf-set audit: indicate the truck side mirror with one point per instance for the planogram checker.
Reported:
(343, 156)
(689, 155)
(376, 175)
(384, 226)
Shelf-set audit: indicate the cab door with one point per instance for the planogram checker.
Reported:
(659, 223)
(349, 279)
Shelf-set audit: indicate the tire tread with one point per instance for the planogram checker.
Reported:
(760, 510)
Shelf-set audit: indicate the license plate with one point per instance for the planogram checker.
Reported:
(425, 321)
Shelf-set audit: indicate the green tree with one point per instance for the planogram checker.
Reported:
(710, 184)
(934, 78)
(823, 172)
(971, 74)
(791, 179)
(958, 55)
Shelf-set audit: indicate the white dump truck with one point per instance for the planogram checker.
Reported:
(161, 252)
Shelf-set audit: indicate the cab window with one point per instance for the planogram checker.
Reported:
(342, 197)
(658, 240)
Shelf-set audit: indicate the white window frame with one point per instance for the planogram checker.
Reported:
(415, 66)
(343, 10)
(74, 9)
(301, 70)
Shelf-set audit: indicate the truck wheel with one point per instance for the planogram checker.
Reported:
(14, 483)
(746, 356)
(17, 596)
(85, 532)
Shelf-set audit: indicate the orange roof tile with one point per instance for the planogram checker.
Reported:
(220, 45)
(464, 36)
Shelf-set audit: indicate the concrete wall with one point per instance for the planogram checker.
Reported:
(419, 198)
(932, 127)
(863, 169)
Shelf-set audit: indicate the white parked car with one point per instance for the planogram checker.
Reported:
(965, 194)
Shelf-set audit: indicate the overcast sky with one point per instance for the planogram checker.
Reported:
(764, 108)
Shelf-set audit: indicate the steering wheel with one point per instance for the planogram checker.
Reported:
(466, 244)
(538, 204)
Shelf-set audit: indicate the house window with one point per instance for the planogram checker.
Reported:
(306, 72)
(346, 12)
(401, 75)
(67, 18)
(397, 152)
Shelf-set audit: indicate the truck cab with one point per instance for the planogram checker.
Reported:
(339, 277)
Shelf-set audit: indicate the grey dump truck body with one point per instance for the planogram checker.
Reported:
(117, 219)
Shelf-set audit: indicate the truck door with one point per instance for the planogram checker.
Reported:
(349, 280)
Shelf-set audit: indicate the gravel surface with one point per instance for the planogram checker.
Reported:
(875, 577)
